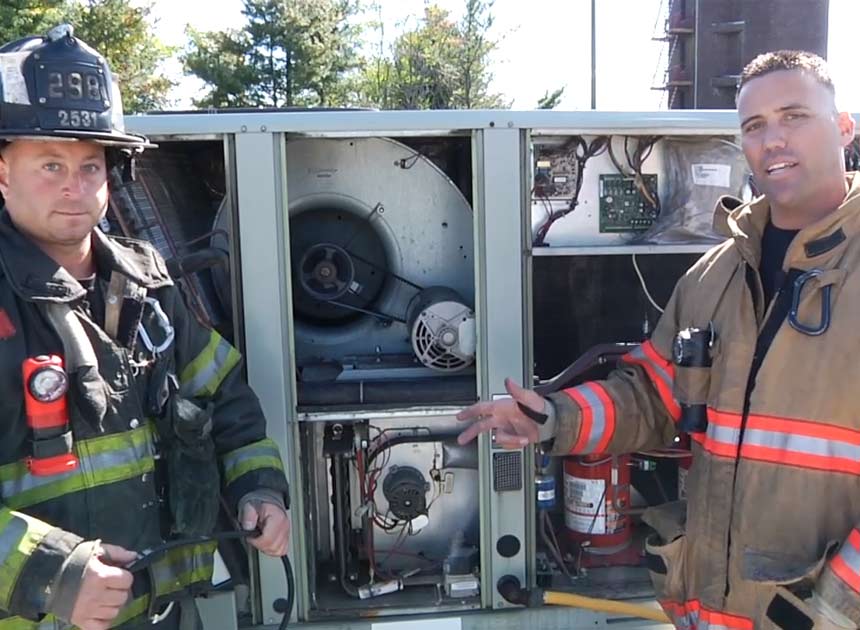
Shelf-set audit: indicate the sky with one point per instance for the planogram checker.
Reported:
(543, 45)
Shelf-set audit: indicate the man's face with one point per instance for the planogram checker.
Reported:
(55, 192)
(793, 140)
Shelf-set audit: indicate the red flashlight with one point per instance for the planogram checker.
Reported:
(45, 387)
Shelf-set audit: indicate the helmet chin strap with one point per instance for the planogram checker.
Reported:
(125, 159)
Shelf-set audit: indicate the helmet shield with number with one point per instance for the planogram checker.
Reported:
(56, 87)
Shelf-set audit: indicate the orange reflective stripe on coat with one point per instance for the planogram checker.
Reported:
(786, 441)
(802, 443)
(724, 431)
(692, 615)
(660, 371)
(597, 424)
(846, 564)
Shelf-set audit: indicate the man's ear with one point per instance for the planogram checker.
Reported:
(4, 175)
(846, 128)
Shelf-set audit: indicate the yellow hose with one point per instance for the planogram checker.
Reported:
(604, 605)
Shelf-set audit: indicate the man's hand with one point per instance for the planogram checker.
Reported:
(510, 427)
(274, 524)
(104, 590)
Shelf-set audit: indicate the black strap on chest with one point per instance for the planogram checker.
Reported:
(778, 314)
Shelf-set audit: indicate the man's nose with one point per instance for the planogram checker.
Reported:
(774, 138)
(74, 184)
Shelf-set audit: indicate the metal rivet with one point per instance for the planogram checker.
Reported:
(36, 56)
(112, 299)
(42, 99)
(143, 479)
(134, 423)
(41, 66)
(244, 128)
(262, 127)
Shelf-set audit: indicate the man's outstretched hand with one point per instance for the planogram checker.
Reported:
(510, 427)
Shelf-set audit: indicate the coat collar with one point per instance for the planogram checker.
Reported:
(814, 244)
(34, 276)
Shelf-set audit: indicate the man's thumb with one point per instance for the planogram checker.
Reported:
(249, 517)
(115, 555)
(516, 392)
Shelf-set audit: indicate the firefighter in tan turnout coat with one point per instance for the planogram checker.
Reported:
(769, 536)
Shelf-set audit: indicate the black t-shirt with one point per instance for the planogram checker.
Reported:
(774, 245)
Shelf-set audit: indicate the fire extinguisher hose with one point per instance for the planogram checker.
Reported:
(510, 588)
(557, 598)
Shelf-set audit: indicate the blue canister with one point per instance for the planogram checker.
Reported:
(545, 489)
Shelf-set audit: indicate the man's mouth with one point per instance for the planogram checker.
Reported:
(779, 167)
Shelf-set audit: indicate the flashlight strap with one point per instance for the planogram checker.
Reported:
(51, 446)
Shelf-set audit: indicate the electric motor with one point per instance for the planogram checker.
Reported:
(405, 489)
(442, 329)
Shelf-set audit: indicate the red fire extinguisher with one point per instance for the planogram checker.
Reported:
(596, 495)
(45, 387)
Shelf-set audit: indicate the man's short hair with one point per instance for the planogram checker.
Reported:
(801, 60)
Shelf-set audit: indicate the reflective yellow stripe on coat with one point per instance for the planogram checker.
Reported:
(103, 460)
(254, 456)
(204, 374)
(19, 536)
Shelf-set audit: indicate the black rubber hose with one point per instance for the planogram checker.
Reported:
(282, 605)
(590, 358)
(411, 438)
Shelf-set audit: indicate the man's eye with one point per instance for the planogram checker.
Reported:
(91, 169)
(52, 167)
(752, 127)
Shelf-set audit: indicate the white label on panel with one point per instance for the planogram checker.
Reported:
(712, 175)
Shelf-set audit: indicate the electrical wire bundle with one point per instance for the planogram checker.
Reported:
(582, 152)
(635, 162)
(368, 484)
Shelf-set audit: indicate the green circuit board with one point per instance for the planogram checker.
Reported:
(622, 207)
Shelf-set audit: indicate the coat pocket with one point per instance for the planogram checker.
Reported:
(666, 567)
(665, 555)
(785, 585)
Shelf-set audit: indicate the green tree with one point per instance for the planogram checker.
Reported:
(124, 34)
(20, 18)
(219, 60)
(296, 52)
(551, 100)
(472, 59)
(423, 66)
(438, 64)
(372, 83)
